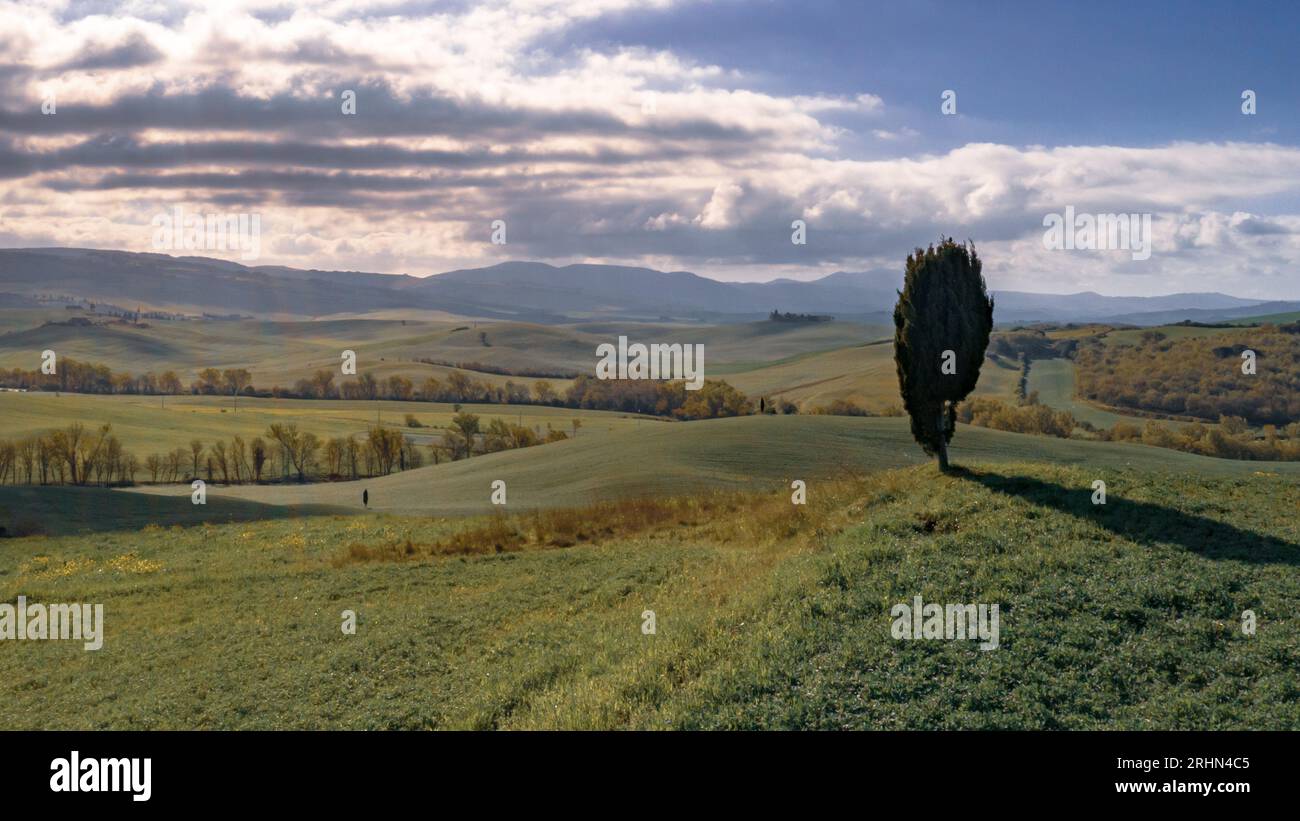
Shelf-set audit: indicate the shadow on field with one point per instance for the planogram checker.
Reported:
(27, 510)
(1146, 523)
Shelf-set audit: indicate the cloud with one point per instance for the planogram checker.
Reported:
(464, 114)
(134, 51)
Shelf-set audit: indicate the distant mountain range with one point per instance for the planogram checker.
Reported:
(537, 292)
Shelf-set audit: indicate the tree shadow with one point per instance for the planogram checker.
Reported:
(37, 510)
(1143, 522)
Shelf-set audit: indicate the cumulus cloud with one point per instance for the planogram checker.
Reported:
(464, 114)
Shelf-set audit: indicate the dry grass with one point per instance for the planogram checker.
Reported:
(721, 517)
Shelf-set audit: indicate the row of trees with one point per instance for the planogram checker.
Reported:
(467, 437)
(715, 398)
(73, 376)
(74, 455)
(457, 387)
(85, 377)
(77, 455)
(1232, 438)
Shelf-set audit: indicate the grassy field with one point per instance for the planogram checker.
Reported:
(150, 424)
(811, 364)
(1275, 319)
(52, 510)
(744, 453)
(767, 615)
(863, 374)
(280, 353)
(276, 353)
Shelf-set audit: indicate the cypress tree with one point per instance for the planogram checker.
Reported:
(944, 306)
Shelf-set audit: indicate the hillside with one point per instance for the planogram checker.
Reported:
(1197, 375)
(1275, 319)
(147, 425)
(749, 452)
(1118, 617)
(862, 374)
(280, 353)
(1054, 381)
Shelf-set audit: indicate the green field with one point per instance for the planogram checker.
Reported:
(746, 453)
(1122, 616)
(810, 364)
(529, 615)
(862, 374)
(1275, 319)
(280, 353)
(149, 424)
(70, 510)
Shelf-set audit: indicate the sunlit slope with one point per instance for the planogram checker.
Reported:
(746, 452)
(276, 353)
(1276, 319)
(280, 353)
(740, 345)
(768, 616)
(152, 424)
(862, 374)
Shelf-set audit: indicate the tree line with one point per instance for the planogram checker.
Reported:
(1232, 438)
(714, 399)
(78, 455)
(75, 455)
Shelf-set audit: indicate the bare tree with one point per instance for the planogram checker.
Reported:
(222, 460)
(258, 452)
(196, 450)
(239, 459)
(300, 448)
(154, 464)
(235, 380)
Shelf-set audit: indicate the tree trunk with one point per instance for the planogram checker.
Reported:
(943, 437)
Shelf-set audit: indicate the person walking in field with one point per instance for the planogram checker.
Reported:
(365, 498)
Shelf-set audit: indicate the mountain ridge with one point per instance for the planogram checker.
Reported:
(540, 292)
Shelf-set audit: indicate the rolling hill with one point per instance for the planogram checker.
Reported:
(1125, 616)
(862, 374)
(281, 352)
(150, 424)
(751, 452)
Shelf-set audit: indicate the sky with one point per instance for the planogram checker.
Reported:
(674, 134)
